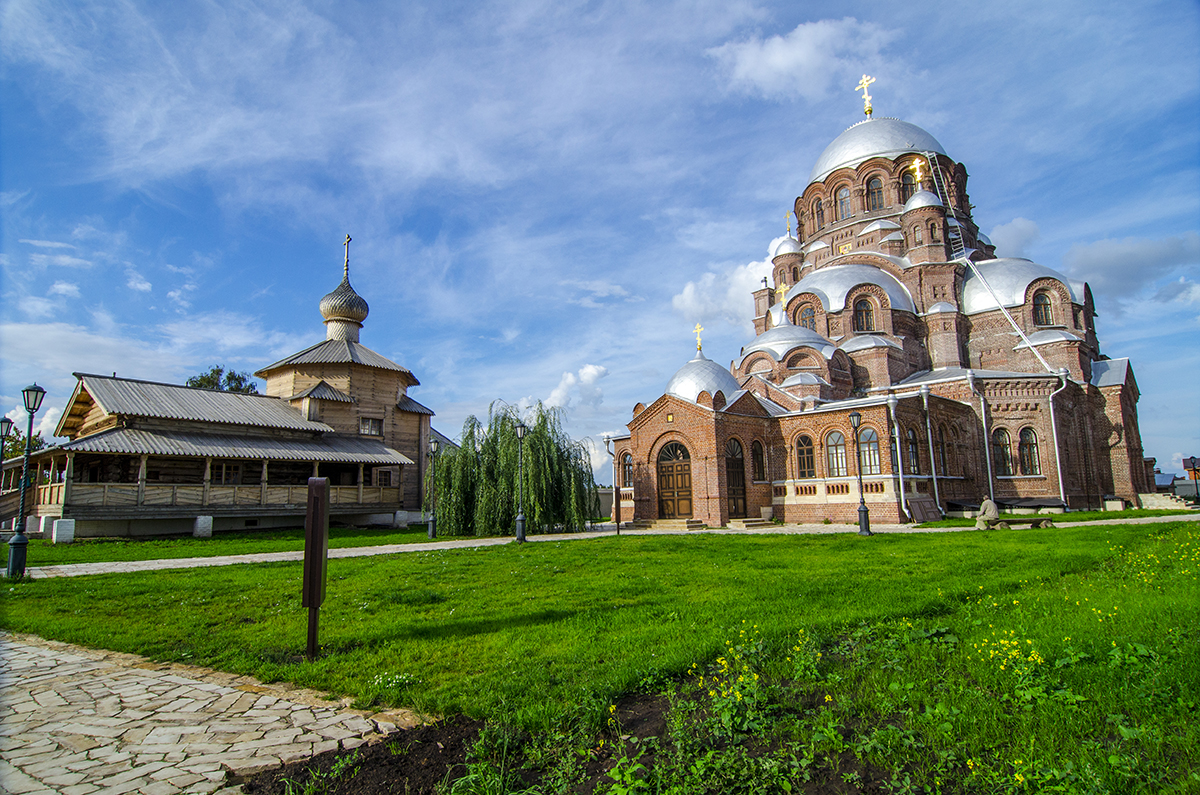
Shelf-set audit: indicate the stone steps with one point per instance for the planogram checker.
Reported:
(666, 524)
(1162, 501)
(749, 524)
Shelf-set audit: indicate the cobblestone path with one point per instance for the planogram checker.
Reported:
(77, 721)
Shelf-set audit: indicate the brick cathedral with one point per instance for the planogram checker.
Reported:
(969, 375)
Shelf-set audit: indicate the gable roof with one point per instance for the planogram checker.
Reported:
(134, 398)
(1110, 372)
(340, 352)
(322, 391)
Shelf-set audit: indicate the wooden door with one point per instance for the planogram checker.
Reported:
(674, 482)
(735, 479)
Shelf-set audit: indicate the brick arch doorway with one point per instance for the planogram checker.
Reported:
(674, 482)
(735, 478)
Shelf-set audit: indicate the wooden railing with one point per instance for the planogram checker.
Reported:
(127, 494)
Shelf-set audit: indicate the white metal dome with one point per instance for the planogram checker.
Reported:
(869, 138)
(701, 374)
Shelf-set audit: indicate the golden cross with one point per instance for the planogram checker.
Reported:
(788, 218)
(862, 86)
(698, 329)
(346, 267)
(917, 168)
(781, 290)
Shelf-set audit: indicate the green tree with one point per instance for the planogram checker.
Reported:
(477, 482)
(227, 381)
(14, 445)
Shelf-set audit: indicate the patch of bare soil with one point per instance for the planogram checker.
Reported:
(418, 760)
(414, 761)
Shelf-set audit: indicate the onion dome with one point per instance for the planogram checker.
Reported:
(702, 374)
(1009, 277)
(882, 137)
(343, 309)
(922, 198)
(787, 245)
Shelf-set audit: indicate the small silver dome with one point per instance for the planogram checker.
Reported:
(804, 379)
(786, 337)
(862, 342)
(873, 138)
(1009, 277)
(701, 374)
(788, 245)
(922, 198)
(941, 306)
(1046, 337)
(831, 284)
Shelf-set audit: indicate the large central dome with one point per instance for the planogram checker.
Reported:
(873, 138)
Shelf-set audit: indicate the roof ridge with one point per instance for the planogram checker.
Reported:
(176, 386)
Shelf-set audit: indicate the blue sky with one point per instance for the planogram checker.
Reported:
(545, 197)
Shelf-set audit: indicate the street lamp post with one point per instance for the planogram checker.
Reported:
(864, 519)
(434, 444)
(18, 545)
(520, 483)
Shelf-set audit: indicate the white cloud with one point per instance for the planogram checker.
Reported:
(724, 295)
(1120, 268)
(811, 61)
(35, 307)
(65, 289)
(581, 385)
(135, 281)
(1015, 238)
(46, 243)
(60, 260)
(226, 332)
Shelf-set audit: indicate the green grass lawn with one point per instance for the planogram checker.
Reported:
(1068, 518)
(1004, 661)
(110, 550)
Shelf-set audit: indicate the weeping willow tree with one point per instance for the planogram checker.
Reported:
(476, 485)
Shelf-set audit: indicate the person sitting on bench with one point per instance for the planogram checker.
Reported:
(989, 515)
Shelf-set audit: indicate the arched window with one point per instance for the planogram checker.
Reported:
(908, 186)
(627, 471)
(758, 463)
(1028, 452)
(819, 212)
(808, 317)
(806, 463)
(864, 315)
(843, 204)
(917, 238)
(835, 455)
(914, 453)
(941, 451)
(868, 451)
(933, 231)
(1002, 452)
(1042, 316)
(795, 274)
(875, 194)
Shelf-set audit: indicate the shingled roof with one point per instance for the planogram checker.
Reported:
(337, 352)
(130, 397)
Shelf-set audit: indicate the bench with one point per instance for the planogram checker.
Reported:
(1007, 523)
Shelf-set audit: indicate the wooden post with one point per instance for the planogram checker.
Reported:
(142, 479)
(207, 479)
(316, 556)
(68, 477)
(360, 484)
(262, 499)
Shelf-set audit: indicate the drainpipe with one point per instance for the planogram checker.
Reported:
(892, 402)
(929, 438)
(1062, 494)
(987, 437)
